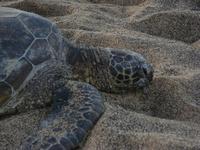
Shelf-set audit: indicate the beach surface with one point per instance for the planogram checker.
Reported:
(167, 34)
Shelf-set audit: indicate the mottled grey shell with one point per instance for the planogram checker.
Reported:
(27, 41)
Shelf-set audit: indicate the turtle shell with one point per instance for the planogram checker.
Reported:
(26, 41)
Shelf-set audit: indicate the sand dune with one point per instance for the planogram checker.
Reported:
(176, 25)
(167, 33)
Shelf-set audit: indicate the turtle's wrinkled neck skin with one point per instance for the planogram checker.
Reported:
(110, 70)
(89, 65)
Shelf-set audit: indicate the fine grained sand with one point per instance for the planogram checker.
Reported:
(167, 33)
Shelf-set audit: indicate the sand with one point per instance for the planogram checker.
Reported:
(167, 33)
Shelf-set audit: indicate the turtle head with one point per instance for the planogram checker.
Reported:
(108, 69)
(130, 70)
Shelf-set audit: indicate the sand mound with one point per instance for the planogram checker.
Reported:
(137, 131)
(118, 2)
(183, 26)
(179, 3)
(44, 9)
(167, 33)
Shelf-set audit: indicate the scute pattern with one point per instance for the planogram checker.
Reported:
(14, 41)
(54, 41)
(39, 26)
(14, 38)
(3, 69)
(9, 12)
(23, 44)
(19, 74)
(39, 51)
(5, 92)
(55, 29)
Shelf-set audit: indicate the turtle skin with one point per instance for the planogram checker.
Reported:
(77, 109)
(39, 67)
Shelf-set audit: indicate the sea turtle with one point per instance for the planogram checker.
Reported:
(38, 66)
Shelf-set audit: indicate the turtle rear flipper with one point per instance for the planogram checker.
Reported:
(76, 108)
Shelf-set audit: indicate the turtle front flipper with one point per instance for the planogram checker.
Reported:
(76, 108)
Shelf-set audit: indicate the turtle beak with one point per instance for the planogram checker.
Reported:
(148, 71)
(146, 90)
(146, 74)
(141, 83)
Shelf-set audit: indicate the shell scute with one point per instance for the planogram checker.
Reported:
(9, 12)
(14, 40)
(55, 29)
(54, 41)
(19, 73)
(39, 51)
(5, 92)
(39, 26)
